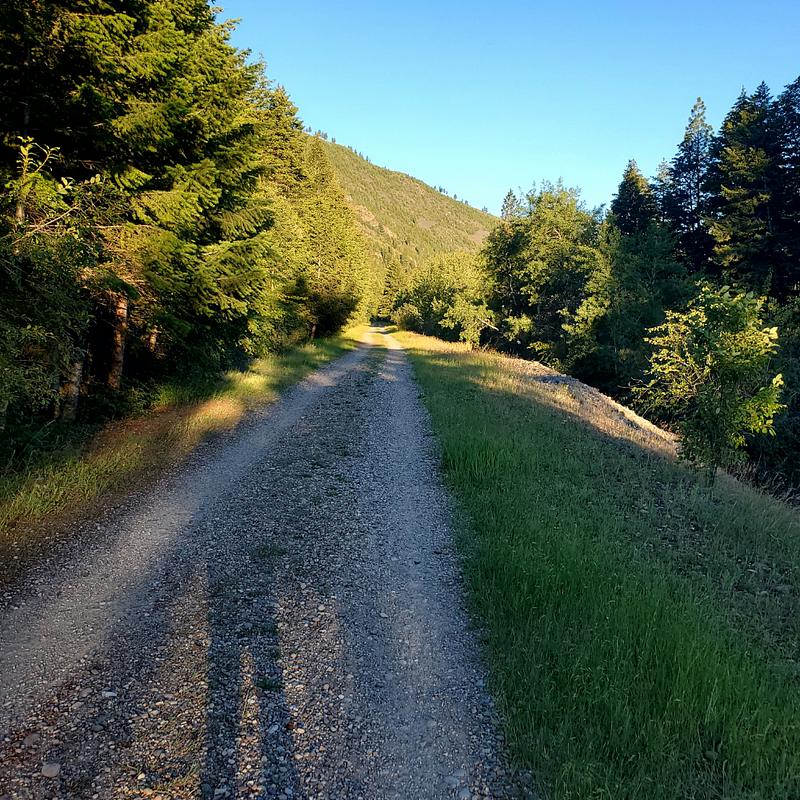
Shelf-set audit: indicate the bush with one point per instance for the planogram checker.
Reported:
(709, 372)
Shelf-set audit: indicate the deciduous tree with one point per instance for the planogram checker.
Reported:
(709, 373)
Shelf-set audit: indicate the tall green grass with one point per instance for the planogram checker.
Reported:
(638, 639)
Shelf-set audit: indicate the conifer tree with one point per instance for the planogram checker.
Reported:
(686, 198)
(153, 96)
(742, 179)
(285, 144)
(510, 207)
(336, 274)
(786, 282)
(634, 205)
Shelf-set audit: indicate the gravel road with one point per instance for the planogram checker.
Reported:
(280, 618)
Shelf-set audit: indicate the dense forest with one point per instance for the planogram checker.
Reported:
(163, 217)
(595, 292)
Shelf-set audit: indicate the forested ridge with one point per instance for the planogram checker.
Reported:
(405, 222)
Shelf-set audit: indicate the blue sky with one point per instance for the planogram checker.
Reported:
(481, 98)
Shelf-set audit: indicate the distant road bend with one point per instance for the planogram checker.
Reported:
(280, 618)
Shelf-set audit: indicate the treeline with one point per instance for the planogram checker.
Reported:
(582, 289)
(163, 214)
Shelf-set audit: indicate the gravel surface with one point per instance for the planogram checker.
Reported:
(280, 618)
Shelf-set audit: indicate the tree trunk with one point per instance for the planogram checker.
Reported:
(55, 382)
(74, 389)
(119, 309)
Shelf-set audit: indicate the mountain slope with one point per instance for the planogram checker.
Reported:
(405, 221)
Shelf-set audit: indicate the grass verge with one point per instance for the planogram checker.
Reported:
(641, 631)
(41, 500)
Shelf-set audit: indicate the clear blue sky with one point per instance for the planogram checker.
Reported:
(484, 97)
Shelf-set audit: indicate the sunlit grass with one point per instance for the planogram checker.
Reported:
(66, 484)
(642, 632)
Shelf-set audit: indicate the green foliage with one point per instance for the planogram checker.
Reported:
(634, 206)
(581, 294)
(446, 298)
(743, 178)
(336, 272)
(685, 197)
(635, 280)
(204, 231)
(49, 256)
(539, 261)
(709, 372)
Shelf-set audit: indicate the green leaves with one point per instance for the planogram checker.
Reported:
(708, 371)
(447, 295)
(539, 260)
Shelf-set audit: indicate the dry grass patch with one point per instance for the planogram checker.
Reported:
(41, 503)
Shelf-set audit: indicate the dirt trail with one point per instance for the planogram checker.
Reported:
(282, 618)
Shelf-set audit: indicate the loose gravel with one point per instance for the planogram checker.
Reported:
(281, 618)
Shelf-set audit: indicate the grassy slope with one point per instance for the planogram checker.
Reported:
(42, 502)
(642, 634)
(402, 216)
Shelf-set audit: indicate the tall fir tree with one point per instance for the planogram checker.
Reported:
(787, 196)
(686, 199)
(634, 206)
(742, 179)
(152, 96)
(336, 275)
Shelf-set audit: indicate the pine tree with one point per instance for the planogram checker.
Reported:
(742, 180)
(686, 199)
(285, 148)
(153, 96)
(336, 277)
(786, 281)
(634, 205)
(510, 207)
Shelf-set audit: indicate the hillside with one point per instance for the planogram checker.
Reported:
(405, 220)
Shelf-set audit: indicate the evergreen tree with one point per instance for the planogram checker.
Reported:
(661, 187)
(786, 281)
(686, 199)
(152, 95)
(336, 275)
(742, 180)
(285, 144)
(510, 207)
(634, 206)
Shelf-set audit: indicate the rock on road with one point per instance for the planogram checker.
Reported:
(280, 618)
